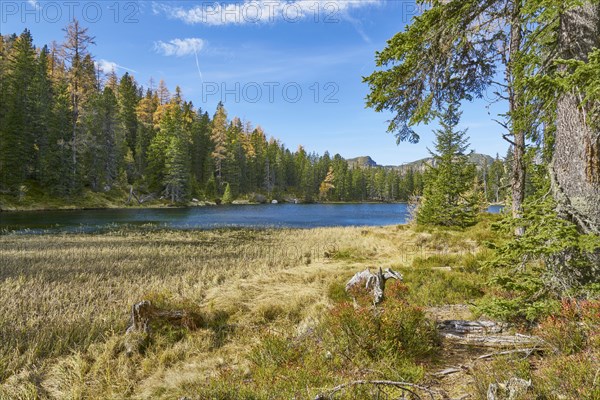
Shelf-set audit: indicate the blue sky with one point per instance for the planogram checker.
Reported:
(292, 67)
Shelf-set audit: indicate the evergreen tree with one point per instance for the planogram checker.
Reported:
(219, 139)
(17, 127)
(145, 110)
(227, 195)
(446, 199)
(55, 160)
(128, 101)
(452, 52)
(170, 151)
(104, 149)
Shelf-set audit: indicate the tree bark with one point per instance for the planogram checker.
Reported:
(575, 167)
(514, 102)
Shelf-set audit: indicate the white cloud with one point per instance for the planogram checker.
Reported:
(179, 47)
(109, 66)
(263, 11)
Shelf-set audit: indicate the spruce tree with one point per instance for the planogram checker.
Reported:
(17, 129)
(227, 195)
(219, 139)
(447, 195)
(145, 110)
(128, 101)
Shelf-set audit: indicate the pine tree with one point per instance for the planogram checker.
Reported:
(128, 101)
(446, 197)
(219, 139)
(452, 52)
(104, 151)
(145, 130)
(17, 129)
(43, 110)
(201, 148)
(170, 152)
(75, 52)
(227, 195)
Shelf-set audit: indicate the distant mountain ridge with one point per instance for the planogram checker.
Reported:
(418, 165)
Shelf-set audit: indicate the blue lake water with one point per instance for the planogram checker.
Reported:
(249, 216)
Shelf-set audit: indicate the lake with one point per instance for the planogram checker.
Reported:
(249, 216)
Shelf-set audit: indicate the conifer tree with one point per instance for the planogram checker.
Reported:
(327, 184)
(42, 112)
(104, 148)
(17, 128)
(145, 110)
(219, 139)
(227, 195)
(128, 101)
(81, 75)
(448, 197)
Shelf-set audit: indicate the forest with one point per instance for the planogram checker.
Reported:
(67, 127)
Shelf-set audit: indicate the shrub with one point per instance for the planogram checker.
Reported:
(568, 377)
(337, 292)
(575, 328)
(550, 260)
(396, 330)
(518, 297)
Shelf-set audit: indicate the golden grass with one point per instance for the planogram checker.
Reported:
(65, 301)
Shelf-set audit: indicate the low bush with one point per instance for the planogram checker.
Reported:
(431, 287)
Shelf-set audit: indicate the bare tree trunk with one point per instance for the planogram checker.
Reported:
(518, 162)
(575, 167)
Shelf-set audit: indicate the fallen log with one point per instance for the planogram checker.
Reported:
(471, 327)
(484, 334)
(492, 340)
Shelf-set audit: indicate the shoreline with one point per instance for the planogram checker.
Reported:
(71, 207)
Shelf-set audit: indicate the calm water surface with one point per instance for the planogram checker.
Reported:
(251, 216)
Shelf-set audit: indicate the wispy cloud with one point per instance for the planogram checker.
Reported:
(262, 11)
(179, 47)
(109, 66)
(34, 3)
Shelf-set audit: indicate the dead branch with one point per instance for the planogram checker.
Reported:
(141, 199)
(447, 371)
(408, 387)
(529, 351)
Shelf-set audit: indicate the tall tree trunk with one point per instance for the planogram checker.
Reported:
(575, 167)
(518, 162)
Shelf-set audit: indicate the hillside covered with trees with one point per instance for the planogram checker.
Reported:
(69, 128)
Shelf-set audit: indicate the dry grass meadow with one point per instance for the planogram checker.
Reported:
(265, 297)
